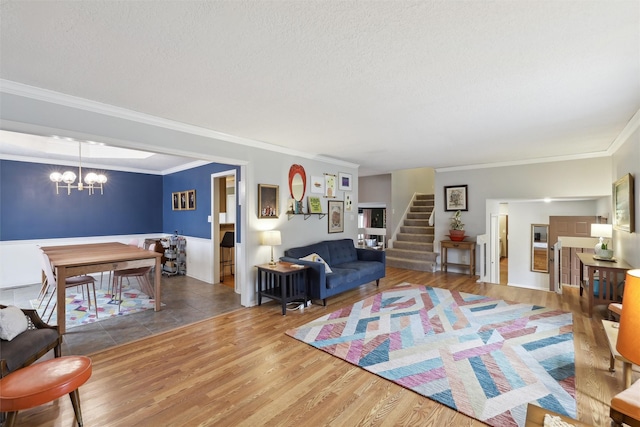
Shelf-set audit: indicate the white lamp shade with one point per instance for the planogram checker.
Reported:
(68, 177)
(601, 230)
(91, 178)
(271, 238)
(56, 177)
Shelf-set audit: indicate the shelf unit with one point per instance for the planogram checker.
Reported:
(176, 256)
(306, 215)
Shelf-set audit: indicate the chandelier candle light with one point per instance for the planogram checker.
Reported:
(272, 238)
(92, 180)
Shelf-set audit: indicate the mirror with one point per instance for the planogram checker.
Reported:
(539, 248)
(297, 182)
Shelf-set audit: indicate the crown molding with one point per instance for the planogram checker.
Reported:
(46, 95)
(632, 126)
(525, 162)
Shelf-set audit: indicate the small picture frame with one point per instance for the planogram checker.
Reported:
(455, 198)
(348, 202)
(624, 204)
(183, 200)
(268, 201)
(191, 200)
(314, 205)
(344, 181)
(329, 185)
(175, 201)
(336, 216)
(317, 185)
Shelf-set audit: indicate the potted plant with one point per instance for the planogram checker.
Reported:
(456, 229)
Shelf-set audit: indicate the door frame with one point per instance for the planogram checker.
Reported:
(215, 227)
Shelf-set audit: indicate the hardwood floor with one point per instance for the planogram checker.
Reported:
(240, 369)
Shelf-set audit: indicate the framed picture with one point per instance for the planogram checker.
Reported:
(183, 200)
(455, 198)
(348, 202)
(268, 201)
(344, 181)
(175, 201)
(191, 200)
(336, 216)
(317, 184)
(624, 204)
(329, 185)
(315, 206)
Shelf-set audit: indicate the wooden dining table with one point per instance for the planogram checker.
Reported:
(75, 260)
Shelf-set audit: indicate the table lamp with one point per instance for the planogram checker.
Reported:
(602, 231)
(272, 238)
(627, 344)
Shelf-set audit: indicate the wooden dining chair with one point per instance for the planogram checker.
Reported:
(84, 281)
(140, 273)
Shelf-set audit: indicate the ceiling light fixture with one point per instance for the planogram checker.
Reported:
(92, 180)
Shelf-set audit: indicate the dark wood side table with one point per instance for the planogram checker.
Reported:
(283, 283)
(470, 246)
(609, 274)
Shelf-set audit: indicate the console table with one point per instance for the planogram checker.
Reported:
(282, 282)
(609, 275)
(470, 246)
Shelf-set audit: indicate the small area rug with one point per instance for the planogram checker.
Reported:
(484, 357)
(78, 312)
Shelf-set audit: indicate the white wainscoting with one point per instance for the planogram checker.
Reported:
(20, 259)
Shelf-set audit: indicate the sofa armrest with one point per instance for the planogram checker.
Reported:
(316, 267)
(371, 255)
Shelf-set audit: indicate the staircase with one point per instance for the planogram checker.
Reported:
(413, 245)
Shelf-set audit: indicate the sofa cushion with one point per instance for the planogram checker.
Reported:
(364, 267)
(341, 251)
(26, 345)
(317, 258)
(12, 323)
(342, 276)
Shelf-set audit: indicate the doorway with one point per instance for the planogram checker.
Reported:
(224, 218)
(503, 230)
(567, 226)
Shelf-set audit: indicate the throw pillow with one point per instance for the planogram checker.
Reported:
(317, 258)
(12, 323)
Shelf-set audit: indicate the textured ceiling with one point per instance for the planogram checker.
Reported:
(387, 84)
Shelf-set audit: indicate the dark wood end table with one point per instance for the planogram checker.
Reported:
(283, 283)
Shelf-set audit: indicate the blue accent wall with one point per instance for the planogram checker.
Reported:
(133, 203)
(31, 209)
(193, 223)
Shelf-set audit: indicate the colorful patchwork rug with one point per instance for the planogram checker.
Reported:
(484, 357)
(79, 313)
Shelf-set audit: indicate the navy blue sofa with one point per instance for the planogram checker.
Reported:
(351, 266)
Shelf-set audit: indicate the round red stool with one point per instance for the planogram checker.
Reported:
(43, 382)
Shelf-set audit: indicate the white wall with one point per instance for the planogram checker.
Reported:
(627, 160)
(404, 184)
